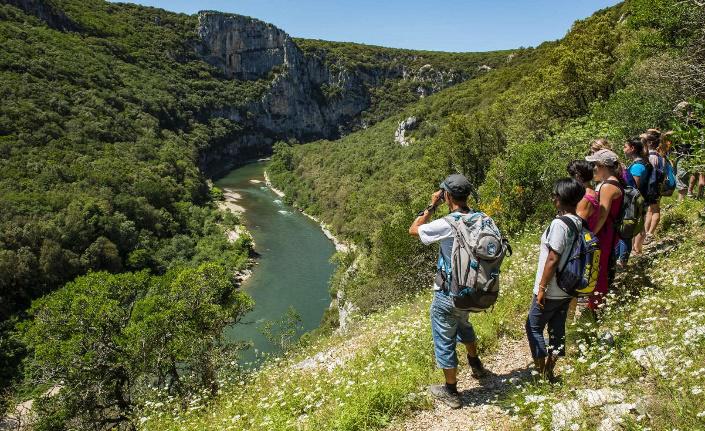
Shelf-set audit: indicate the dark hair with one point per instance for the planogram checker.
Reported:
(638, 145)
(569, 192)
(581, 170)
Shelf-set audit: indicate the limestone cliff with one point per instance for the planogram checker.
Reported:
(310, 96)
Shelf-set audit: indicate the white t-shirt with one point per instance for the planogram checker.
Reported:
(559, 238)
(435, 231)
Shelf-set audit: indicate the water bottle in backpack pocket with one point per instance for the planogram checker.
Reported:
(578, 275)
(478, 251)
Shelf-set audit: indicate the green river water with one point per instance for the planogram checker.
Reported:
(293, 268)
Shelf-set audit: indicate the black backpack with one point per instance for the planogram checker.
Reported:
(632, 214)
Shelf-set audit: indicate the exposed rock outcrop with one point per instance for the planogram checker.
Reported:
(309, 97)
(245, 48)
(404, 126)
(296, 106)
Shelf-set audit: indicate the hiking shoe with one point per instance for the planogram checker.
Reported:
(478, 371)
(441, 393)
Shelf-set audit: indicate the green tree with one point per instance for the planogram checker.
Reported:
(104, 339)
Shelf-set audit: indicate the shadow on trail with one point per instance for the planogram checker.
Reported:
(494, 384)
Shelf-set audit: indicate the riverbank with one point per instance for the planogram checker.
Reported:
(340, 246)
(230, 203)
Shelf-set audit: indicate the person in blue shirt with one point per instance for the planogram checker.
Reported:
(636, 175)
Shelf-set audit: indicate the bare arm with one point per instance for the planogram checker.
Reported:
(607, 195)
(426, 216)
(584, 209)
(422, 219)
(549, 270)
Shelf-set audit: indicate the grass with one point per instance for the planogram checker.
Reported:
(655, 371)
(384, 366)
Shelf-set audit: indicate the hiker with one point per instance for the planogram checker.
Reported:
(610, 192)
(588, 210)
(698, 176)
(652, 141)
(549, 306)
(600, 144)
(448, 323)
(589, 207)
(683, 154)
(636, 175)
(689, 115)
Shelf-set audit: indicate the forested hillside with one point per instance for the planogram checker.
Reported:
(116, 274)
(111, 123)
(101, 132)
(512, 132)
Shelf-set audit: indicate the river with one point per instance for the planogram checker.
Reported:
(293, 268)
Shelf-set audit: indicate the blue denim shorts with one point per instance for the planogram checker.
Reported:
(449, 326)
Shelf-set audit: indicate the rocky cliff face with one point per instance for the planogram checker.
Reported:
(307, 99)
(243, 47)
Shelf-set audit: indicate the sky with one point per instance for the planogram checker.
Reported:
(440, 25)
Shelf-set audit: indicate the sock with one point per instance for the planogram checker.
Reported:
(452, 388)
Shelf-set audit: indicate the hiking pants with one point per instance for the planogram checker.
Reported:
(553, 315)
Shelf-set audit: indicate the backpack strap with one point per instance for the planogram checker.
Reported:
(451, 219)
(575, 230)
(658, 157)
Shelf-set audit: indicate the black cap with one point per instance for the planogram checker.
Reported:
(457, 185)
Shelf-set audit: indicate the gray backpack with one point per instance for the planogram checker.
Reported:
(478, 251)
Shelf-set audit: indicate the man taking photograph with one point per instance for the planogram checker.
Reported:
(448, 323)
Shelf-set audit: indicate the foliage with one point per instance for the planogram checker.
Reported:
(106, 338)
(689, 136)
(100, 130)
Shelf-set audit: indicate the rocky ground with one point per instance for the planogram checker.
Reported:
(509, 365)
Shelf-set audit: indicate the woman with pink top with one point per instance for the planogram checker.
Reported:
(609, 193)
(588, 208)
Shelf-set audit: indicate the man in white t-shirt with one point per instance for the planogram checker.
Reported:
(448, 324)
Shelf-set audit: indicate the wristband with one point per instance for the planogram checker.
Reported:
(429, 208)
